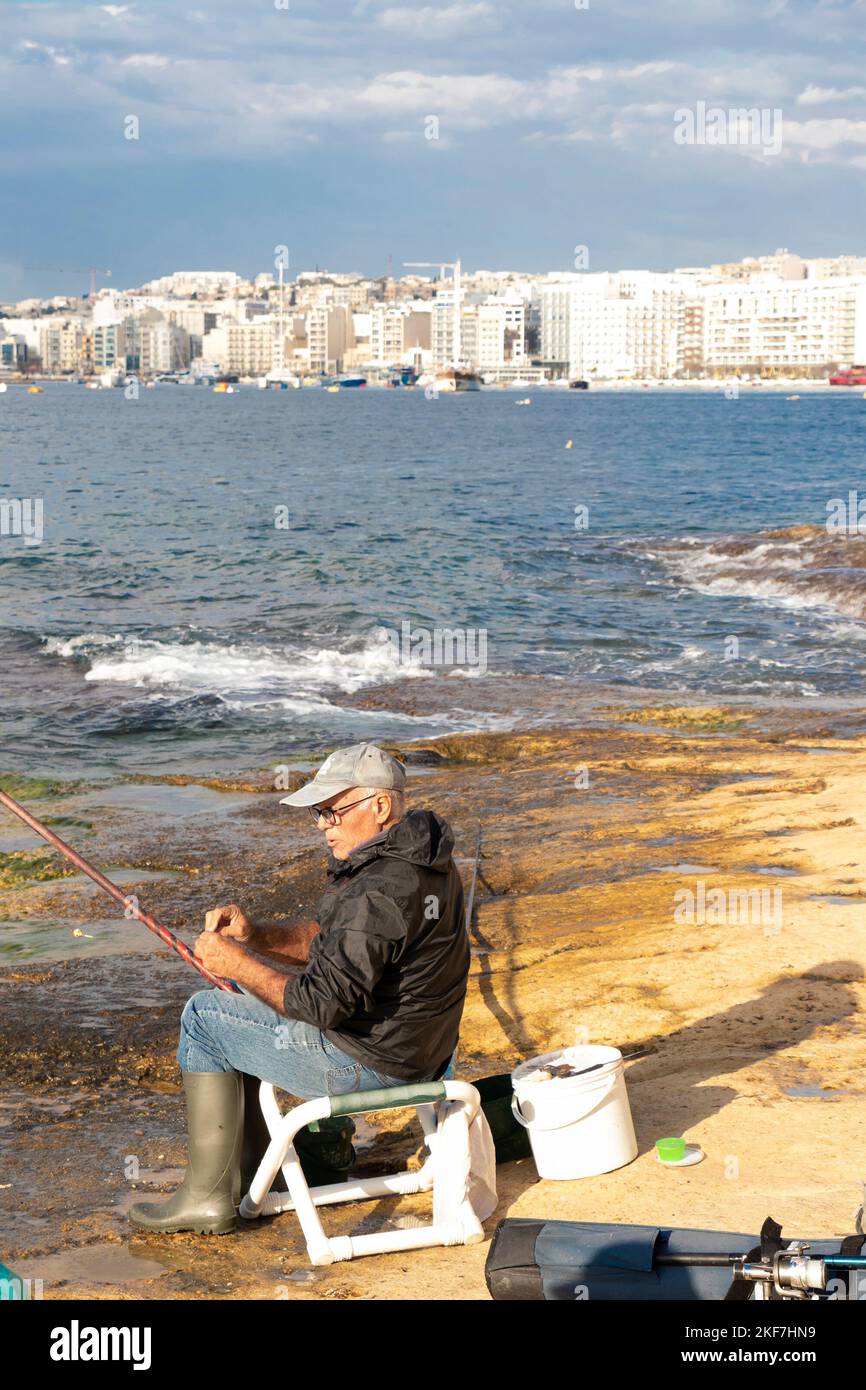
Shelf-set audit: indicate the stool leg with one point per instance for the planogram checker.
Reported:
(318, 1246)
(427, 1117)
(257, 1136)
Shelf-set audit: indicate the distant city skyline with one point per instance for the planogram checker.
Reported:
(580, 267)
(760, 316)
(553, 125)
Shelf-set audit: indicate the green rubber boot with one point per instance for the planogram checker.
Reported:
(206, 1201)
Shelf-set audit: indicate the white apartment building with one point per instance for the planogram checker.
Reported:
(163, 347)
(400, 334)
(329, 335)
(654, 317)
(555, 299)
(387, 334)
(442, 329)
(482, 335)
(775, 324)
(610, 325)
(245, 348)
(514, 309)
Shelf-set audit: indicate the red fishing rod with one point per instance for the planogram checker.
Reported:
(127, 903)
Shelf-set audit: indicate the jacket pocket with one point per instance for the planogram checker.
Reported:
(341, 1081)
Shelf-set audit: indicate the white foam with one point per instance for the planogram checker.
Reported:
(289, 677)
(843, 632)
(782, 574)
(86, 641)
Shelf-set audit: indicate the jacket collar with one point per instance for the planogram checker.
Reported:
(361, 855)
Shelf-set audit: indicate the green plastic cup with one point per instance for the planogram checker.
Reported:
(671, 1150)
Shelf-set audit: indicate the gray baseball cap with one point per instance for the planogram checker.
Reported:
(362, 765)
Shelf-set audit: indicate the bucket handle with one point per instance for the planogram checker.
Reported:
(597, 1098)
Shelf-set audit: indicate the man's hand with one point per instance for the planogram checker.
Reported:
(229, 921)
(221, 955)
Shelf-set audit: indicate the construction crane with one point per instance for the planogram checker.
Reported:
(454, 267)
(67, 270)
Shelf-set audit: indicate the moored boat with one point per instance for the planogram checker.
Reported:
(849, 376)
(457, 379)
(280, 379)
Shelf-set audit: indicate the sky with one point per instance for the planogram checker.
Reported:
(263, 123)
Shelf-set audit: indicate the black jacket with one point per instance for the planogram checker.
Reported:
(387, 972)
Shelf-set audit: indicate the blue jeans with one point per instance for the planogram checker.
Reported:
(237, 1032)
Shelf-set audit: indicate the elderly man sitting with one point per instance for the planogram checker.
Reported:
(377, 1000)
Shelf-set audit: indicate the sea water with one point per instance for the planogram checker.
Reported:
(226, 580)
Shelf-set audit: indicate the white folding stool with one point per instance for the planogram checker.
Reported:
(424, 1098)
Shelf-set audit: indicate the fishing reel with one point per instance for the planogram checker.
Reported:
(793, 1273)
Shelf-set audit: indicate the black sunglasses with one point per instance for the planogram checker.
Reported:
(329, 814)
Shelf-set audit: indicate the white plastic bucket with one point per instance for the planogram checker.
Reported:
(579, 1126)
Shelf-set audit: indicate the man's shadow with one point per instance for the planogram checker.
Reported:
(734, 1039)
(724, 1042)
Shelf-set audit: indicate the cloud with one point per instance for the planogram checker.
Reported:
(826, 135)
(467, 99)
(43, 53)
(284, 82)
(145, 60)
(646, 70)
(429, 21)
(815, 96)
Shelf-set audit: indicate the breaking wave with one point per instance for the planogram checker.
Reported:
(800, 567)
(240, 675)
